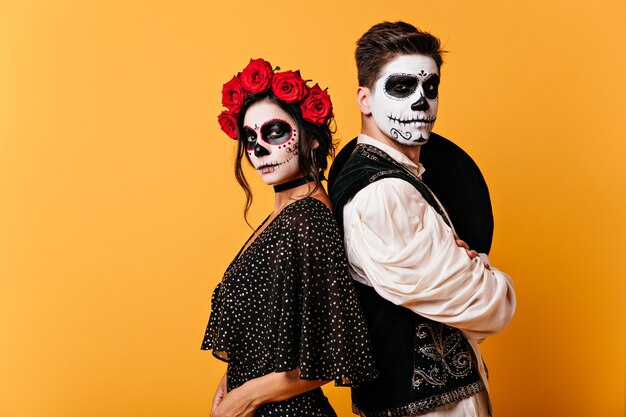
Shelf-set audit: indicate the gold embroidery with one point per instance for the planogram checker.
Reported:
(450, 357)
(381, 173)
(426, 404)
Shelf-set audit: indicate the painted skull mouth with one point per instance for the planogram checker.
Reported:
(425, 120)
(275, 164)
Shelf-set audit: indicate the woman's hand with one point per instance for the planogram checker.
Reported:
(220, 393)
(234, 404)
(275, 386)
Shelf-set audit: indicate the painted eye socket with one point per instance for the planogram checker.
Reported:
(249, 138)
(276, 132)
(431, 87)
(401, 85)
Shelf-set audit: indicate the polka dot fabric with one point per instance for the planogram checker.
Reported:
(288, 302)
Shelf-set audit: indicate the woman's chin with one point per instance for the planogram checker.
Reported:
(275, 177)
(272, 179)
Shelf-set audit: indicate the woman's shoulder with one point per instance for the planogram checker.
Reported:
(308, 211)
(307, 206)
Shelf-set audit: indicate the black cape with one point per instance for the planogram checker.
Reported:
(456, 180)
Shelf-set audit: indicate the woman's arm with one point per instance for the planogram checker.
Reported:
(276, 386)
(220, 393)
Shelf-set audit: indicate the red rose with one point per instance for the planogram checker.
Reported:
(228, 123)
(233, 95)
(317, 106)
(256, 77)
(288, 86)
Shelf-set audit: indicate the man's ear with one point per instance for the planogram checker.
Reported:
(363, 95)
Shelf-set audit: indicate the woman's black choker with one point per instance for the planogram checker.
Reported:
(292, 184)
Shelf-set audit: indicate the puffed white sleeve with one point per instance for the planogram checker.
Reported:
(410, 257)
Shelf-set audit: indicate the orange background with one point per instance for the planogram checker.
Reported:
(119, 210)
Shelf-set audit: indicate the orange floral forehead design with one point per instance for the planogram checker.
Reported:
(288, 86)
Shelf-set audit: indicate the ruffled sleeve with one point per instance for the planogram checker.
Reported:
(321, 328)
(212, 331)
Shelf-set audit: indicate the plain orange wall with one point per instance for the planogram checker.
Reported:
(119, 210)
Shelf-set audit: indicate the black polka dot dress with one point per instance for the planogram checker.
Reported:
(288, 302)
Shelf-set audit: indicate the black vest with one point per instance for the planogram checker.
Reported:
(422, 364)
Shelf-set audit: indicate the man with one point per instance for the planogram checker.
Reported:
(427, 298)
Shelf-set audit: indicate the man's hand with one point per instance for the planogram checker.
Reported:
(220, 393)
(471, 253)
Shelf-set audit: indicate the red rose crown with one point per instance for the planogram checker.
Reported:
(288, 86)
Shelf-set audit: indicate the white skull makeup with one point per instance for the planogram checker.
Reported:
(271, 138)
(405, 99)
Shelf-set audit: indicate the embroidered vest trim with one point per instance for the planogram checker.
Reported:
(424, 405)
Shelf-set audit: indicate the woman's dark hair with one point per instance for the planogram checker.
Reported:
(313, 162)
(384, 41)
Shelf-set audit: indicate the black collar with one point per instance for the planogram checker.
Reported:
(292, 184)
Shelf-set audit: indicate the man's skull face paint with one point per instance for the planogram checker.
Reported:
(405, 99)
(271, 138)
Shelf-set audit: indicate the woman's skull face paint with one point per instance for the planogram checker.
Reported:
(271, 138)
(405, 99)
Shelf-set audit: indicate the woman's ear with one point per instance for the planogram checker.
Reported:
(315, 144)
(362, 100)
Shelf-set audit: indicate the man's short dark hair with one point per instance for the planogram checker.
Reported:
(384, 41)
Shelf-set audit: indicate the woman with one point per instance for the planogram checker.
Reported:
(285, 316)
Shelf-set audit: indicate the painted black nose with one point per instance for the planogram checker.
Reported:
(420, 105)
(260, 151)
